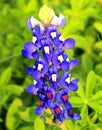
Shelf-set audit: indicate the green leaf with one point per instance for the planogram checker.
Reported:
(2, 97)
(12, 114)
(98, 45)
(70, 53)
(13, 89)
(39, 124)
(73, 26)
(89, 12)
(1, 120)
(98, 79)
(13, 39)
(80, 91)
(97, 126)
(87, 64)
(98, 26)
(90, 84)
(6, 76)
(75, 3)
(31, 6)
(76, 101)
(77, 127)
(26, 128)
(21, 4)
(28, 115)
(69, 124)
(97, 107)
(98, 69)
(97, 97)
(84, 115)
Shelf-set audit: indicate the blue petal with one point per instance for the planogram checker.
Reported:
(31, 89)
(59, 96)
(54, 85)
(39, 110)
(36, 74)
(73, 86)
(68, 105)
(27, 54)
(60, 117)
(69, 43)
(66, 115)
(30, 46)
(29, 24)
(55, 58)
(76, 116)
(62, 81)
(73, 63)
(75, 81)
(35, 55)
(40, 83)
(30, 70)
(65, 66)
(58, 43)
(47, 57)
(63, 20)
(50, 103)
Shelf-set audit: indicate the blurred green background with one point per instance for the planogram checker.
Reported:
(84, 24)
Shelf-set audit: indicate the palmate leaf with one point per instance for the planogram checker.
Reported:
(97, 107)
(76, 101)
(90, 84)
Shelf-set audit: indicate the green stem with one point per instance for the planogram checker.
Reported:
(9, 57)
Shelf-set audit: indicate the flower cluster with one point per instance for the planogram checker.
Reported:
(52, 80)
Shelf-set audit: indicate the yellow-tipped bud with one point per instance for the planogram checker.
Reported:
(46, 14)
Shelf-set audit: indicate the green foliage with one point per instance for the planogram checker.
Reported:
(39, 124)
(84, 24)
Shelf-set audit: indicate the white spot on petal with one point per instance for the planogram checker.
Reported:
(46, 49)
(35, 82)
(53, 34)
(67, 59)
(61, 38)
(53, 77)
(60, 58)
(40, 66)
(68, 80)
(34, 39)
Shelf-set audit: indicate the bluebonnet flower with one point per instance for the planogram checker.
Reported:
(66, 80)
(50, 59)
(40, 68)
(30, 51)
(61, 60)
(47, 50)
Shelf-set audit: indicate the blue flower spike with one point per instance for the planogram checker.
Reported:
(52, 80)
